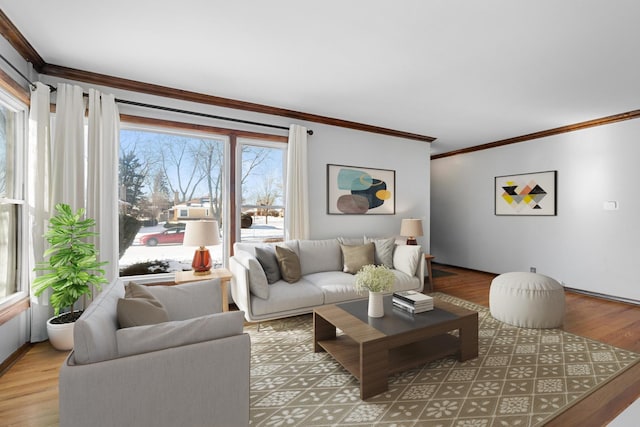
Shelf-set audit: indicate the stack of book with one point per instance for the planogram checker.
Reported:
(412, 302)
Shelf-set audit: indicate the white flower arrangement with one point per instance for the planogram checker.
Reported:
(374, 278)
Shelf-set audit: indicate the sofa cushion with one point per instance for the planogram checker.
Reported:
(319, 255)
(258, 283)
(336, 286)
(406, 258)
(289, 264)
(139, 307)
(189, 300)
(266, 256)
(145, 339)
(384, 250)
(94, 333)
(251, 247)
(356, 257)
(285, 297)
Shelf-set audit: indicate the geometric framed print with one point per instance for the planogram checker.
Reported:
(526, 194)
(354, 190)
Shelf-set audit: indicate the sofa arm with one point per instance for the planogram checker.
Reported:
(203, 384)
(240, 287)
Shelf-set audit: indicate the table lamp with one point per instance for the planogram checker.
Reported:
(411, 228)
(201, 234)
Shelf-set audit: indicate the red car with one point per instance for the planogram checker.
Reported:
(175, 235)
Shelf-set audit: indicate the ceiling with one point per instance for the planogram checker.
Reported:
(465, 72)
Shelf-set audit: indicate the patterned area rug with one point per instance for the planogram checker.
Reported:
(522, 377)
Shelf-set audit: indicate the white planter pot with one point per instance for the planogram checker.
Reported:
(376, 304)
(60, 335)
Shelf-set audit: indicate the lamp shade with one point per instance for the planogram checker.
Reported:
(411, 228)
(201, 233)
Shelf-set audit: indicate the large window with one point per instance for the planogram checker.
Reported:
(12, 170)
(166, 180)
(262, 172)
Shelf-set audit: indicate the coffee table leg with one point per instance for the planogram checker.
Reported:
(469, 338)
(374, 370)
(322, 330)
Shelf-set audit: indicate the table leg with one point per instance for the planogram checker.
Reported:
(469, 338)
(374, 370)
(428, 258)
(225, 297)
(322, 330)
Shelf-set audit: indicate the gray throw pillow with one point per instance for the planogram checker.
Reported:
(384, 250)
(139, 308)
(356, 257)
(267, 258)
(289, 264)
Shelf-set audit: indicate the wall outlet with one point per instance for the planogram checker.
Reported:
(532, 269)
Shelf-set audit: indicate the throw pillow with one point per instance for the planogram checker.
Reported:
(139, 307)
(384, 250)
(267, 258)
(289, 264)
(356, 257)
(406, 258)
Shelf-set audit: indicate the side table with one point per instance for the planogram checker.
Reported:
(428, 258)
(217, 273)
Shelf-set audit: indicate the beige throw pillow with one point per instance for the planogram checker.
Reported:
(289, 264)
(356, 257)
(139, 308)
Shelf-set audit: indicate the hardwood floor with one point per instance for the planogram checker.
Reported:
(29, 388)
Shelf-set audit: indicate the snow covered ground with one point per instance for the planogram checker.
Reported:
(180, 257)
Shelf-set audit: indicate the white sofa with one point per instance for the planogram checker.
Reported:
(190, 371)
(323, 280)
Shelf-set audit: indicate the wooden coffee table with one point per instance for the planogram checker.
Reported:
(371, 349)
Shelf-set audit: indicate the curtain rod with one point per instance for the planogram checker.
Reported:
(159, 107)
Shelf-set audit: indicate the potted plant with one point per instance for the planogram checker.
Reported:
(377, 279)
(72, 271)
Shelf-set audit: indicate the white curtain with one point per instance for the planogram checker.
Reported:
(68, 153)
(38, 200)
(297, 192)
(68, 170)
(102, 178)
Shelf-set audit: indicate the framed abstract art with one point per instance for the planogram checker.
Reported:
(354, 190)
(526, 194)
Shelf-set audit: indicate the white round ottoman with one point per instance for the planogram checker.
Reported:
(528, 300)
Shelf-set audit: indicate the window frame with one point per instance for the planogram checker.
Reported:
(17, 302)
(165, 127)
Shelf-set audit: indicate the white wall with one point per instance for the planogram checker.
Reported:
(584, 246)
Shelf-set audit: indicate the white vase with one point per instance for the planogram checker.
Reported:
(376, 304)
(60, 334)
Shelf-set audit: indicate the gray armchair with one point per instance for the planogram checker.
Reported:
(191, 371)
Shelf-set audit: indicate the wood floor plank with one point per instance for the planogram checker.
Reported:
(29, 388)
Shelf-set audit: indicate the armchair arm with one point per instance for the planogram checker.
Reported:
(160, 336)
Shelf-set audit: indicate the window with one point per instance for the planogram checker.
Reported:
(165, 180)
(12, 171)
(262, 172)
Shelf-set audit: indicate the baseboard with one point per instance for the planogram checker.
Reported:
(17, 355)
(603, 296)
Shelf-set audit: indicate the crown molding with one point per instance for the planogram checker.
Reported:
(19, 42)
(545, 133)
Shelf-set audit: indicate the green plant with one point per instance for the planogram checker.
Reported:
(73, 268)
(374, 278)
